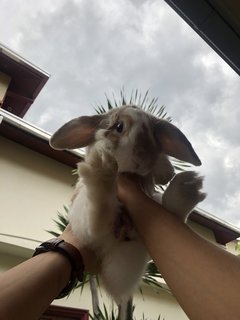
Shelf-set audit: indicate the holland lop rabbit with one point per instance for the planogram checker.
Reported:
(125, 139)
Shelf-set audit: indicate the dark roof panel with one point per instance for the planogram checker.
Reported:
(26, 82)
(216, 22)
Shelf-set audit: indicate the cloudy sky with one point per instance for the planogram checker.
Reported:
(93, 47)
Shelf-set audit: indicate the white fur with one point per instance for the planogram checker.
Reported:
(92, 216)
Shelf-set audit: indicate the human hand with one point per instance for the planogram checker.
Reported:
(128, 188)
(90, 259)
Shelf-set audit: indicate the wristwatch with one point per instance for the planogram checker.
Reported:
(72, 254)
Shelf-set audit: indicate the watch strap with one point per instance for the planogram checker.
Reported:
(71, 253)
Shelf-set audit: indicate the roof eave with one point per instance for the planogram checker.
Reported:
(212, 27)
(20, 131)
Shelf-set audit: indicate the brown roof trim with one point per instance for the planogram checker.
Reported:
(213, 21)
(223, 231)
(54, 312)
(39, 144)
(26, 82)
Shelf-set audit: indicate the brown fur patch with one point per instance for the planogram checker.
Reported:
(145, 149)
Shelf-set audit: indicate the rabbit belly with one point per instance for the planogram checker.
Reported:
(92, 221)
(122, 268)
(80, 219)
(122, 262)
(93, 217)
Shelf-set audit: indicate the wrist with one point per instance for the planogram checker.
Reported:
(62, 267)
(70, 254)
(137, 203)
(69, 237)
(131, 196)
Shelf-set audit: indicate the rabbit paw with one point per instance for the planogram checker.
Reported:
(109, 163)
(101, 158)
(183, 194)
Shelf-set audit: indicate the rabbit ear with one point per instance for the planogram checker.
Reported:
(174, 143)
(76, 133)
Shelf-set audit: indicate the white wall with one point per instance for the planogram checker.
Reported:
(32, 188)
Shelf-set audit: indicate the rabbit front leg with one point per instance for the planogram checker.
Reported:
(95, 204)
(101, 160)
(183, 194)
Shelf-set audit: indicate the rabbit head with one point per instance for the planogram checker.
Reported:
(140, 142)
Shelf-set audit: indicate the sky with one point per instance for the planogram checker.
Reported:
(92, 48)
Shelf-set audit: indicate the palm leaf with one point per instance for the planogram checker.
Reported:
(135, 98)
(152, 275)
(105, 314)
(61, 222)
(53, 233)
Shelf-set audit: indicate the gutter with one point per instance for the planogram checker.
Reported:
(31, 129)
(217, 220)
(14, 56)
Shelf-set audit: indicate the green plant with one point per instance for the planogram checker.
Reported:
(61, 222)
(237, 246)
(135, 98)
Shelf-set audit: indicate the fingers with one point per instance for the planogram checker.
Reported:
(128, 179)
(128, 187)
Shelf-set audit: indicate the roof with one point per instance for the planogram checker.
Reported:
(217, 22)
(24, 133)
(27, 81)
(224, 232)
(20, 131)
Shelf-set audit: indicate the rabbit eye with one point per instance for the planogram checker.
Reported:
(119, 127)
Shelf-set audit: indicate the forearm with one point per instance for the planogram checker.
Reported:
(204, 278)
(28, 289)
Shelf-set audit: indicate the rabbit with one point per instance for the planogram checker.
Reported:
(125, 139)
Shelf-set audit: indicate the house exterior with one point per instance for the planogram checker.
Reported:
(33, 188)
(35, 185)
(37, 181)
